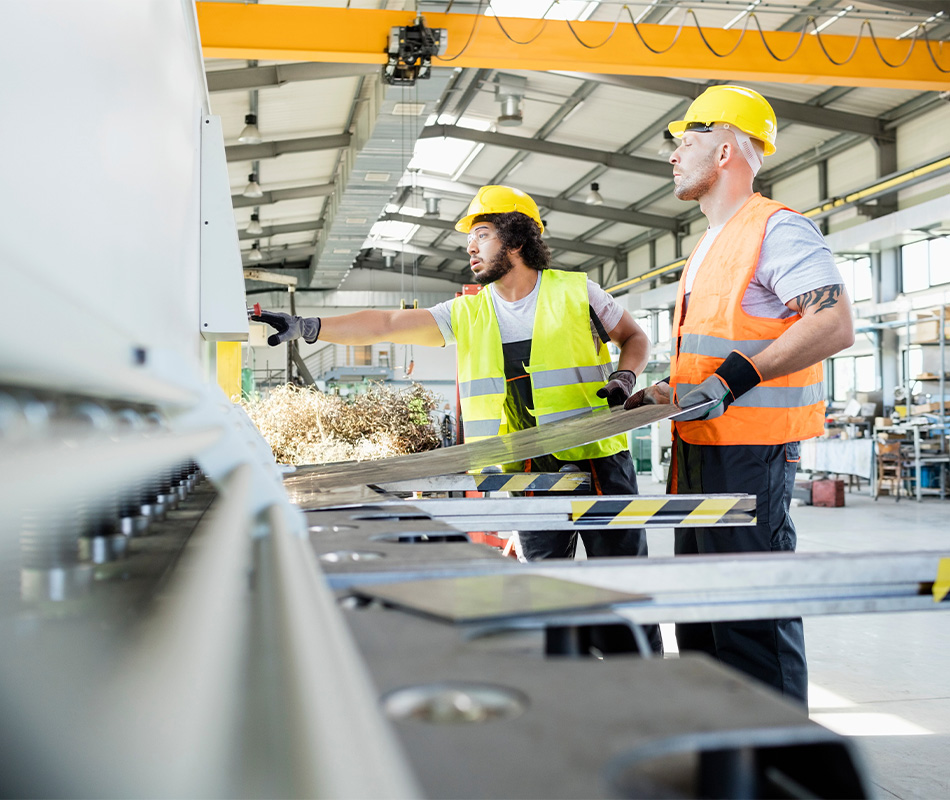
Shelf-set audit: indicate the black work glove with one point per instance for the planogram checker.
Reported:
(619, 387)
(735, 376)
(289, 327)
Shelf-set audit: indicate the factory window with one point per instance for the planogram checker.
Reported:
(940, 260)
(856, 274)
(852, 374)
(865, 376)
(925, 263)
(663, 326)
(913, 364)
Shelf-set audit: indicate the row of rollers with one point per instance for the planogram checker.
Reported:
(53, 543)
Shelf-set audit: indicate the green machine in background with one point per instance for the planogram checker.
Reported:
(248, 384)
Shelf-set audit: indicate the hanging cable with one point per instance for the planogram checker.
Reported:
(544, 24)
(415, 136)
(920, 35)
(609, 35)
(798, 44)
(471, 34)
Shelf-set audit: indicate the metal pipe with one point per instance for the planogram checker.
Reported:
(943, 369)
(908, 386)
(291, 346)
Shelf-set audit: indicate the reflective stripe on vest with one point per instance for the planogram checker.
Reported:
(481, 387)
(480, 428)
(568, 376)
(785, 409)
(566, 368)
(717, 347)
(771, 396)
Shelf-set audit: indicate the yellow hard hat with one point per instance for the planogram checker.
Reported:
(499, 200)
(735, 105)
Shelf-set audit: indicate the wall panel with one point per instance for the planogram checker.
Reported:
(101, 181)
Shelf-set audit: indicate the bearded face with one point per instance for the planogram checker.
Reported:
(494, 268)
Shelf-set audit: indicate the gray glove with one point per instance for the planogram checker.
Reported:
(735, 376)
(712, 388)
(619, 387)
(289, 327)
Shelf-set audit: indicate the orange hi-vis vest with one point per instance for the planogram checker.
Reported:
(786, 409)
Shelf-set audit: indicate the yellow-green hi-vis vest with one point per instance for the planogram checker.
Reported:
(566, 367)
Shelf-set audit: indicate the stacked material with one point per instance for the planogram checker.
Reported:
(305, 426)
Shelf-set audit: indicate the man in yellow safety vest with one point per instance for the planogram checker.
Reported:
(531, 350)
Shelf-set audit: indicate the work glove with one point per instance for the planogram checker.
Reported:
(735, 376)
(619, 387)
(645, 397)
(289, 327)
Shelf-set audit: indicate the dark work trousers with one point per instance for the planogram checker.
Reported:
(771, 650)
(610, 475)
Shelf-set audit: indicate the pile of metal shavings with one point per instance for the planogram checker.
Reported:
(305, 426)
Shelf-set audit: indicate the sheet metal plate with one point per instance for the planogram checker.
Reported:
(491, 597)
(306, 483)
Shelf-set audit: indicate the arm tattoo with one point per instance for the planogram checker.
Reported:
(819, 299)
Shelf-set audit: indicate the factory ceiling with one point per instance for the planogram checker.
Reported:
(362, 181)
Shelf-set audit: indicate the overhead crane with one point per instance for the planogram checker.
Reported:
(360, 36)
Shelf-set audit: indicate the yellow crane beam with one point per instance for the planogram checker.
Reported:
(302, 33)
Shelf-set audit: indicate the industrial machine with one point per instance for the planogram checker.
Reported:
(179, 617)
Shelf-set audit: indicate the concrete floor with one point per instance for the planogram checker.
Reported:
(881, 678)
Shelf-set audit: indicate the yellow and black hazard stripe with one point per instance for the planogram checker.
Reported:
(941, 586)
(531, 481)
(674, 510)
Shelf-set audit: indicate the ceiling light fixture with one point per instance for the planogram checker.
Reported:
(254, 227)
(252, 189)
(509, 91)
(511, 115)
(250, 134)
(432, 207)
(668, 145)
(255, 254)
(593, 196)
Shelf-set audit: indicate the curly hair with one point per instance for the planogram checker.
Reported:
(516, 230)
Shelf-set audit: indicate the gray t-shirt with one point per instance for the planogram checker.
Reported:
(794, 259)
(516, 319)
